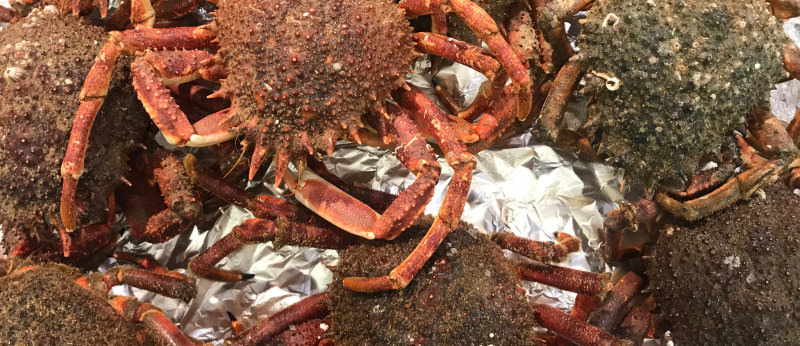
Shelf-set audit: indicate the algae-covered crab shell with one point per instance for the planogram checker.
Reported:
(732, 278)
(675, 78)
(44, 59)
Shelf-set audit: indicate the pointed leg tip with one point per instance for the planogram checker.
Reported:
(247, 276)
(231, 316)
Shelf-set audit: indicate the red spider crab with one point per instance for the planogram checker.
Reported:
(54, 304)
(300, 74)
(468, 282)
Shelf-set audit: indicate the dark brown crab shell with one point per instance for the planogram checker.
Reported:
(44, 305)
(468, 290)
(44, 59)
(732, 278)
(688, 72)
(301, 73)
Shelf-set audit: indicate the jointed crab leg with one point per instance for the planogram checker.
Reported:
(168, 285)
(578, 281)
(327, 201)
(425, 113)
(309, 308)
(536, 250)
(574, 329)
(261, 206)
(484, 26)
(624, 290)
(95, 89)
(556, 101)
(158, 324)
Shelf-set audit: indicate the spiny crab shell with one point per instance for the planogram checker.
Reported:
(45, 58)
(675, 78)
(301, 73)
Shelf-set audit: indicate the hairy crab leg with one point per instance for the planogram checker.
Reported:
(262, 206)
(611, 308)
(573, 328)
(553, 109)
(166, 285)
(328, 201)
(484, 27)
(538, 250)
(255, 231)
(183, 204)
(95, 89)
(158, 324)
(578, 281)
(425, 113)
(312, 307)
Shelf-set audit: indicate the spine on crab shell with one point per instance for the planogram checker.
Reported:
(309, 308)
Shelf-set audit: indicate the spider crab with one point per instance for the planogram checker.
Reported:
(662, 100)
(300, 74)
(53, 303)
(45, 58)
(467, 282)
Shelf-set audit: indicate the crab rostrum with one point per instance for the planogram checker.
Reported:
(300, 74)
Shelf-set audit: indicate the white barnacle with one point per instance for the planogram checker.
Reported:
(13, 74)
(612, 83)
(611, 19)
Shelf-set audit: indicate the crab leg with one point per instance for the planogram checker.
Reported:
(546, 252)
(639, 324)
(152, 73)
(574, 329)
(738, 188)
(609, 312)
(328, 201)
(166, 285)
(154, 319)
(255, 231)
(556, 101)
(425, 113)
(618, 220)
(578, 281)
(484, 26)
(377, 200)
(310, 308)
(497, 117)
(261, 206)
(94, 93)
